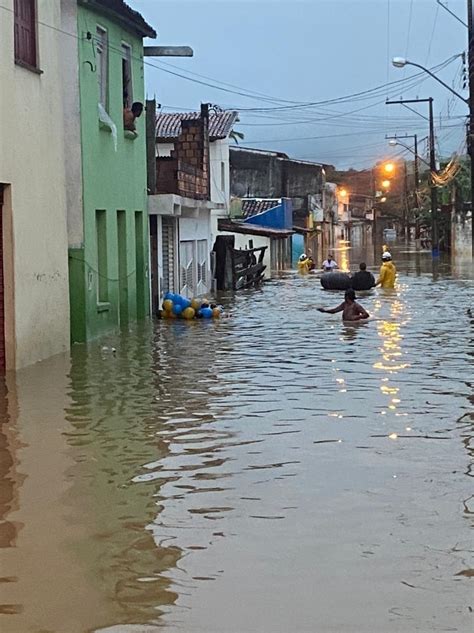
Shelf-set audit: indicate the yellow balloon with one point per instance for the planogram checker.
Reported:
(188, 313)
(167, 305)
(195, 304)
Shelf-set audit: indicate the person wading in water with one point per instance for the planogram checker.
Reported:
(388, 272)
(351, 310)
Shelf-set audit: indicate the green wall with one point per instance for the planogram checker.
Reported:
(114, 182)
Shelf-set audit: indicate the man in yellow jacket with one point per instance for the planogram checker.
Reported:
(387, 272)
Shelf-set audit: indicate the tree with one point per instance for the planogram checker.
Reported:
(236, 136)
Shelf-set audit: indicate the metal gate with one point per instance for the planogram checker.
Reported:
(168, 239)
(202, 267)
(187, 276)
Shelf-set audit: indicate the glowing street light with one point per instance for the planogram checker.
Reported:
(386, 184)
(343, 193)
(384, 199)
(389, 168)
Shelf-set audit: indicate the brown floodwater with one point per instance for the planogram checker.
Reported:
(274, 472)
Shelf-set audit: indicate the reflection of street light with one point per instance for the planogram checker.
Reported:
(386, 184)
(384, 199)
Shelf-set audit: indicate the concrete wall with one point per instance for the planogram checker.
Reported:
(255, 174)
(114, 179)
(72, 123)
(461, 232)
(32, 167)
(269, 175)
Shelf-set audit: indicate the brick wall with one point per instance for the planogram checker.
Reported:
(186, 172)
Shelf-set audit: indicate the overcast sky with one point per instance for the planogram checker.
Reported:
(310, 51)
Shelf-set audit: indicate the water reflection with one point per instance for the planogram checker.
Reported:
(278, 454)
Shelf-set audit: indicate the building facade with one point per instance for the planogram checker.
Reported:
(189, 194)
(107, 216)
(34, 306)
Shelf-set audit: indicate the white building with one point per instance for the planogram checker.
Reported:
(34, 294)
(183, 227)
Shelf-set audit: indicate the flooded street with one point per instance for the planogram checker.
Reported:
(272, 472)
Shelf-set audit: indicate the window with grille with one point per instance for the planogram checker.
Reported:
(24, 35)
(102, 54)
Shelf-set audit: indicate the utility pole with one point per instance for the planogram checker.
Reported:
(434, 191)
(470, 139)
(416, 187)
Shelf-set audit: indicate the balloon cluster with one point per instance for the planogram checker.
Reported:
(178, 307)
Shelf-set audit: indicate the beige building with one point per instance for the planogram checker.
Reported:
(34, 304)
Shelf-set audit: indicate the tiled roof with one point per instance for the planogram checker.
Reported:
(168, 124)
(253, 207)
(125, 13)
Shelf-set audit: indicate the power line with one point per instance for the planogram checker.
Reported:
(432, 35)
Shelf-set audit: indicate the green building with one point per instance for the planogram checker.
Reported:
(107, 181)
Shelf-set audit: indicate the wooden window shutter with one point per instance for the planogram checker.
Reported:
(25, 31)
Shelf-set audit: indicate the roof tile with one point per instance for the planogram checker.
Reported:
(168, 124)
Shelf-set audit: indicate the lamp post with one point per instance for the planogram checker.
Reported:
(400, 62)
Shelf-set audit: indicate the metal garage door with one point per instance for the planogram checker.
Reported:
(168, 232)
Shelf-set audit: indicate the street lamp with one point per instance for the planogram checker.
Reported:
(401, 62)
(386, 184)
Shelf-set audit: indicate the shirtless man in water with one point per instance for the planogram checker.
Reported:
(351, 310)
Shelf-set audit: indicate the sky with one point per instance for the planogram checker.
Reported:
(300, 52)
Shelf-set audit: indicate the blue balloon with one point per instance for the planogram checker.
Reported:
(177, 309)
(206, 313)
(169, 296)
(185, 302)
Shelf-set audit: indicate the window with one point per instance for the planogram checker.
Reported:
(202, 267)
(25, 32)
(102, 62)
(103, 281)
(127, 90)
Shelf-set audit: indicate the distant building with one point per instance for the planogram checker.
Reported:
(274, 175)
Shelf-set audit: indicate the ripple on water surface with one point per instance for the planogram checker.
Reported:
(273, 471)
